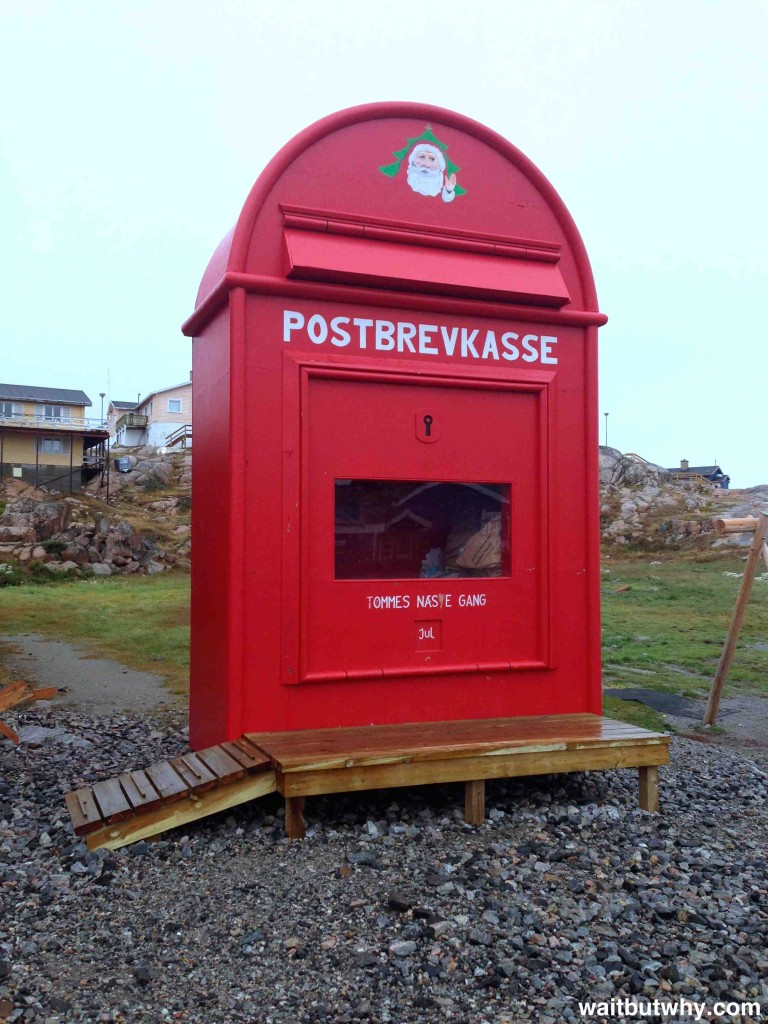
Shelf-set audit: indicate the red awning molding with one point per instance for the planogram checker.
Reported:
(340, 258)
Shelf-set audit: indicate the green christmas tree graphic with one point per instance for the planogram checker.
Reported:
(426, 136)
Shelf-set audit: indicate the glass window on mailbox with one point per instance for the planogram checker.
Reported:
(406, 529)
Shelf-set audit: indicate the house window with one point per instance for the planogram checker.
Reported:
(54, 446)
(406, 529)
(174, 405)
(54, 413)
(10, 409)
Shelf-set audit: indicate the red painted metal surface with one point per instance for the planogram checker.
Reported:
(427, 344)
(442, 271)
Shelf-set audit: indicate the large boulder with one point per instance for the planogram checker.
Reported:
(153, 472)
(27, 521)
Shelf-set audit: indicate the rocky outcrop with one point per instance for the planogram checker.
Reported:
(617, 470)
(150, 469)
(643, 506)
(26, 521)
(39, 531)
(738, 504)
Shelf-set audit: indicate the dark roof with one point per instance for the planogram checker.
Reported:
(123, 405)
(700, 470)
(24, 393)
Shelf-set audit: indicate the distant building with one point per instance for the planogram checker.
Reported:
(115, 411)
(46, 438)
(712, 473)
(162, 418)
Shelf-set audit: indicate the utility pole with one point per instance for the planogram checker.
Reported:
(606, 428)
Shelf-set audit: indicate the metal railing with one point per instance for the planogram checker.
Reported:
(25, 419)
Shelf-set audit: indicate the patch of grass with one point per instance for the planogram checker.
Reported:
(667, 631)
(634, 713)
(39, 574)
(133, 619)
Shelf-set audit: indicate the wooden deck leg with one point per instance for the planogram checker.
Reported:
(474, 801)
(649, 788)
(294, 817)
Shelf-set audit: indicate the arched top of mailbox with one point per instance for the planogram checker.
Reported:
(406, 196)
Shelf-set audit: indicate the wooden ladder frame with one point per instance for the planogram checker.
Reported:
(758, 525)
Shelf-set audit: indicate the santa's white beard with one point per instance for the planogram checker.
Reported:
(425, 181)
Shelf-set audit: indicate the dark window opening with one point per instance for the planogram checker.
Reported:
(406, 529)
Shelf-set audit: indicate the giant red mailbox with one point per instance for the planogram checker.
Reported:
(395, 482)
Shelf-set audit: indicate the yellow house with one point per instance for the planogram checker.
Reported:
(46, 438)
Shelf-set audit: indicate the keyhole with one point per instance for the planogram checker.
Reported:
(427, 425)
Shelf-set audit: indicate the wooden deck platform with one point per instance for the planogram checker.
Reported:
(140, 804)
(379, 757)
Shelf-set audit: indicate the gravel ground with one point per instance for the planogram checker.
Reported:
(392, 909)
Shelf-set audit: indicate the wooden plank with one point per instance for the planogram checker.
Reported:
(747, 525)
(443, 736)
(111, 800)
(223, 766)
(182, 812)
(294, 817)
(13, 693)
(11, 734)
(83, 811)
(325, 749)
(194, 772)
(250, 747)
(732, 637)
(88, 805)
(384, 776)
(143, 783)
(45, 693)
(649, 788)
(242, 754)
(139, 791)
(474, 801)
(167, 782)
(19, 692)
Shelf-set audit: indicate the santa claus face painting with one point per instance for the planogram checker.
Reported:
(426, 173)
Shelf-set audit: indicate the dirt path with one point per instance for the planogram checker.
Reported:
(94, 685)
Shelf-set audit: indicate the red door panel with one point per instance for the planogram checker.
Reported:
(421, 535)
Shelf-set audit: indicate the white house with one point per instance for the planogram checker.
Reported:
(163, 417)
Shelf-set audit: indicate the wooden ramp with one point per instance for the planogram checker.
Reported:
(140, 804)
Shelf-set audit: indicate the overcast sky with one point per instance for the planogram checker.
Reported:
(133, 131)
